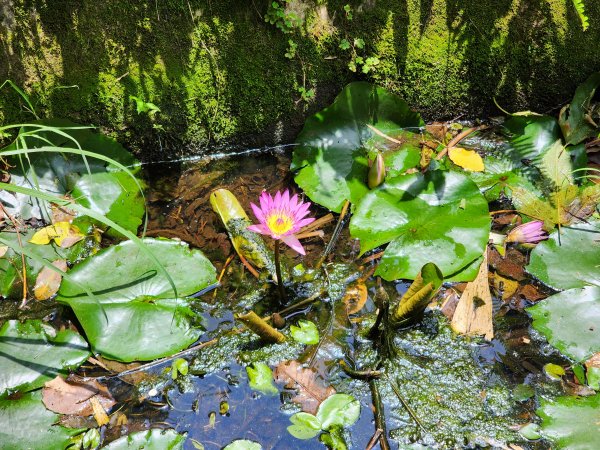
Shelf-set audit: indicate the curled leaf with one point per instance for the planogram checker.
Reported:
(48, 280)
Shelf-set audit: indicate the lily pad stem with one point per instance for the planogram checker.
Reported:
(335, 235)
(278, 272)
(379, 415)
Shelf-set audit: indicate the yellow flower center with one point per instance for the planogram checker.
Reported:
(279, 222)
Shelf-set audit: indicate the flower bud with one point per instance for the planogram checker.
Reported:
(376, 172)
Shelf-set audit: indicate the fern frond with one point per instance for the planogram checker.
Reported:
(580, 8)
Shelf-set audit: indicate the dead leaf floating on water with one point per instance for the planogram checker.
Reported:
(73, 396)
(63, 234)
(473, 314)
(355, 297)
(311, 391)
(48, 280)
(467, 159)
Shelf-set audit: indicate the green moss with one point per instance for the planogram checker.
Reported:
(217, 70)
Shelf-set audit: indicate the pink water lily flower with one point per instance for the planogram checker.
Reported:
(528, 233)
(281, 217)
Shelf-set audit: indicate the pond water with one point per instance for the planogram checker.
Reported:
(424, 386)
(179, 207)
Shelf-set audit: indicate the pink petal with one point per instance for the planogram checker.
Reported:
(277, 200)
(294, 243)
(260, 228)
(294, 202)
(304, 222)
(257, 212)
(264, 201)
(285, 198)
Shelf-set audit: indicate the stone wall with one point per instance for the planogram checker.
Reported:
(219, 73)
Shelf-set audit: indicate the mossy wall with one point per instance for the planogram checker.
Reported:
(219, 74)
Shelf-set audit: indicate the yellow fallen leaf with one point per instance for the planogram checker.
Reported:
(3, 250)
(48, 280)
(63, 233)
(467, 159)
(99, 412)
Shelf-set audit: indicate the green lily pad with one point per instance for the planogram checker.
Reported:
(568, 259)
(574, 118)
(331, 158)
(243, 444)
(569, 321)
(104, 188)
(304, 426)
(26, 424)
(438, 216)
(306, 332)
(155, 439)
(532, 136)
(498, 175)
(338, 410)
(260, 378)
(32, 353)
(144, 319)
(573, 423)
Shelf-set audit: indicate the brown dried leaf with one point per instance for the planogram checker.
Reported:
(473, 313)
(355, 297)
(594, 361)
(62, 213)
(48, 281)
(72, 396)
(311, 391)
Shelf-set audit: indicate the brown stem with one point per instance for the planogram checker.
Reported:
(334, 236)
(278, 272)
(261, 327)
(459, 137)
(379, 415)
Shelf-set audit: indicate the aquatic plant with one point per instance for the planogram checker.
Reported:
(528, 233)
(281, 217)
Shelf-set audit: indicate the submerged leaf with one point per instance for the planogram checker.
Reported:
(154, 439)
(304, 426)
(311, 391)
(247, 244)
(339, 410)
(306, 332)
(417, 297)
